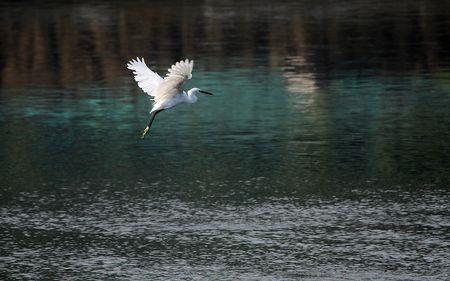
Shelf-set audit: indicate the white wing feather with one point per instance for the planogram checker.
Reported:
(181, 71)
(147, 80)
(173, 83)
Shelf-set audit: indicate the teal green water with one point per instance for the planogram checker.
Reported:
(355, 128)
(323, 154)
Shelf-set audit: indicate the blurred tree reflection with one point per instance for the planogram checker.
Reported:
(68, 44)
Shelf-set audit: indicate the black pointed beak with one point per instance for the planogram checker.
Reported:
(205, 92)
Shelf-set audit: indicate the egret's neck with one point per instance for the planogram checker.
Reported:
(191, 96)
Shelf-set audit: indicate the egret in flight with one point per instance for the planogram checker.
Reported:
(166, 92)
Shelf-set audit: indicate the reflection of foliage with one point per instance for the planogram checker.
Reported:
(395, 128)
(70, 44)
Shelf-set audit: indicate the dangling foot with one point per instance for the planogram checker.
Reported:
(145, 132)
(153, 115)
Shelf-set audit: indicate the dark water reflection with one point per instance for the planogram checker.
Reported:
(323, 155)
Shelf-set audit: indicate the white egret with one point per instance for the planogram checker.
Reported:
(166, 92)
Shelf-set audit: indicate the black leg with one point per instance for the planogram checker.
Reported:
(152, 117)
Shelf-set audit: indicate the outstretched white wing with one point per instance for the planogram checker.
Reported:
(147, 80)
(173, 83)
(181, 71)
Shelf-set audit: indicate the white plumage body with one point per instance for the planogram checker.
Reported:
(182, 97)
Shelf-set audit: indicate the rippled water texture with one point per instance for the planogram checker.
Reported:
(323, 155)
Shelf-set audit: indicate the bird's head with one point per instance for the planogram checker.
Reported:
(196, 91)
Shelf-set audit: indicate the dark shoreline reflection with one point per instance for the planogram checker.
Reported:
(89, 42)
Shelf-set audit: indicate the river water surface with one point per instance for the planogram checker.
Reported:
(324, 154)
